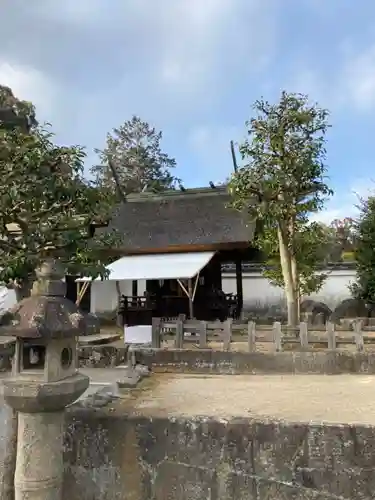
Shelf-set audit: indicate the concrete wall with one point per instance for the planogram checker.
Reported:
(139, 458)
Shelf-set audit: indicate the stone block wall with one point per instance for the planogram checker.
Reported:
(140, 458)
(223, 362)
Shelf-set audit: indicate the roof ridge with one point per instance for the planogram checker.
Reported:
(178, 194)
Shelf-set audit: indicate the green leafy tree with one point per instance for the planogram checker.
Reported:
(281, 183)
(345, 238)
(312, 247)
(364, 254)
(134, 160)
(15, 112)
(46, 207)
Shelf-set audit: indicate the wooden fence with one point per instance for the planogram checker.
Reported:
(182, 332)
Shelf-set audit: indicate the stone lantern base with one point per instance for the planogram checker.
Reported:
(28, 396)
(41, 407)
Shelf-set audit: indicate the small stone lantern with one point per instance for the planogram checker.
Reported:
(44, 381)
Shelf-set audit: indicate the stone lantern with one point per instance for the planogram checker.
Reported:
(44, 381)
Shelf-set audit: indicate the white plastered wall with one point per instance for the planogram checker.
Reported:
(7, 299)
(257, 291)
(104, 297)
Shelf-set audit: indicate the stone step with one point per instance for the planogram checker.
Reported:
(6, 341)
(98, 339)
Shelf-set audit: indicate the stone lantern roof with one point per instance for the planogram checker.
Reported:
(46, 314)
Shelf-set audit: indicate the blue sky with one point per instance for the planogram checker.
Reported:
(193, 68)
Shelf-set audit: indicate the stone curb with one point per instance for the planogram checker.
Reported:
(120, 389)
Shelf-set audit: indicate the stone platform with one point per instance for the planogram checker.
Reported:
(223, 437)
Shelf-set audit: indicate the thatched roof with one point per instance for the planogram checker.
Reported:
(196, 217)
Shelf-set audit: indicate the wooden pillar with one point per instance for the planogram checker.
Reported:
(134, 288)
(134, 292)
(239, 286)
(190, 290)
(78, 290)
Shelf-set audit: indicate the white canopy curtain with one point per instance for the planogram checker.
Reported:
(179, 266)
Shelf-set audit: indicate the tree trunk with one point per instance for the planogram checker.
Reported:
(11, 430)
(286, 268)
(118, 291)
(296, 286)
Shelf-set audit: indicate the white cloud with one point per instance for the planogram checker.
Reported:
(345, 202)
(352, 86)
(358, 78)
(29, 84)
(363, 188)
(306, 81)
(80, 12)
(196, 46)
(211, 139)
(211, 145)
(329, 215)
(192, 30)
(185, 52)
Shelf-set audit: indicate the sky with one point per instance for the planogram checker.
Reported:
(193, 69)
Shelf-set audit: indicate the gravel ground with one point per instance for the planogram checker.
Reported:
(318, 398)
(303, 398)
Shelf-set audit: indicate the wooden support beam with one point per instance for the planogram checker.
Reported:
(191, 305)
(239, 286)
(82, 292)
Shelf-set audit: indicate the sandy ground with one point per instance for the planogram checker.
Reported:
(318, 398)
(298, 398)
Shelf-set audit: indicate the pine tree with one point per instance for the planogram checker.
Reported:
(139, 162)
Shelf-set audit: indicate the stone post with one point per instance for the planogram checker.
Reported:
(44, 381)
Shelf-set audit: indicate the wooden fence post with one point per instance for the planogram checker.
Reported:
(358, 336)
(179, 339)
(203, 335)
(131, 358)
(156, 333)
(277, 336)
(331, 335)
(251, 339)
(227, 334)
(303, 335)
